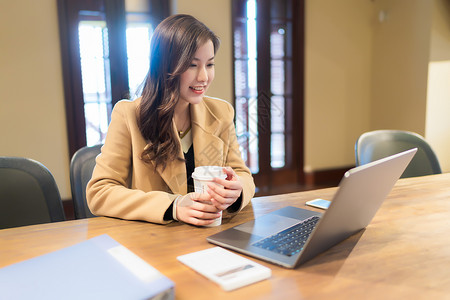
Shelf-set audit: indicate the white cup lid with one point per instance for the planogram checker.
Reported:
(208, 173)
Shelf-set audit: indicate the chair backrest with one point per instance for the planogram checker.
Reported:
(377, 144)
(28, 193)
(81, 167)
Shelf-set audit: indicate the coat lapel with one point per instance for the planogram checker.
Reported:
(208, 147)
(174, 175)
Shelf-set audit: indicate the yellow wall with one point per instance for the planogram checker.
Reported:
(437, 130)
(32, 112)
(338, 51)
(400, 65)
(360, 75)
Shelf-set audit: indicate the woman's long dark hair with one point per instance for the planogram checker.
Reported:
(173, 47)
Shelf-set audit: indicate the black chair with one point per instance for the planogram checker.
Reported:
(81, 167)
(377, 144)
(28, 193)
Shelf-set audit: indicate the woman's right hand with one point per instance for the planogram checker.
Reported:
(196, 209)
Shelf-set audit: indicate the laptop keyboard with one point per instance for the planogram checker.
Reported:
(291, 240)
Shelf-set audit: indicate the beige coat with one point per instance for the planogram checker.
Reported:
(123, 186)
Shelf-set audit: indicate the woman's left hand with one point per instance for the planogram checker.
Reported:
(223, 197)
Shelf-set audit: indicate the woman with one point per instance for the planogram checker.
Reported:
(154, 142)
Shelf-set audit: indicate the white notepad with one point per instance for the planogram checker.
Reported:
(229, 270)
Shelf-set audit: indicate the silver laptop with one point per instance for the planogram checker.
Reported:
(291, 236)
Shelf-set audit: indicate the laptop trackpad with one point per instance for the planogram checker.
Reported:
(267, 225)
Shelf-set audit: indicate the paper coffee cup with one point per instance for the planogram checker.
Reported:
(204, 175)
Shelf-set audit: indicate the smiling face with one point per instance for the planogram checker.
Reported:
(194, 82)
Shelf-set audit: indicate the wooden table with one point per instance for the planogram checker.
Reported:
(403, 254)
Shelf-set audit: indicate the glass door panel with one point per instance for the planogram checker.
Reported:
(245, 70)
(139, 33)
(95, 67)
(95, 75)
(267, 109)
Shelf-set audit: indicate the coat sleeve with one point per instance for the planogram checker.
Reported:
(109, 192)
